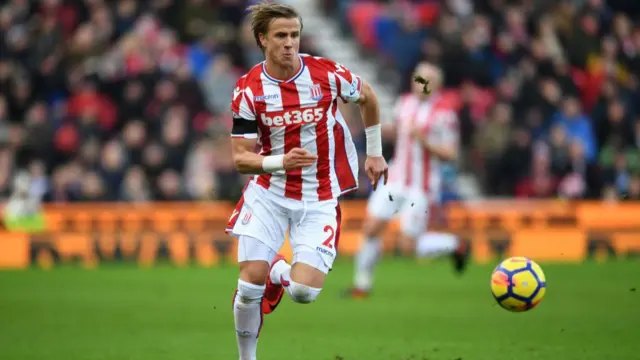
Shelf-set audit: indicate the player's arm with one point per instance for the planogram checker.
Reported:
(244, 138)
(369, 106)
(244, 157)
(445, 152)
(354, 90)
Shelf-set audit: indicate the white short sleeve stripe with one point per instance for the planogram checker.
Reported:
(350, 91)
(245, 111)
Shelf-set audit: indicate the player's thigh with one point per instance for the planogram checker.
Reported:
(414, 215)
(314, 240)
(261, 218)
(254, 258)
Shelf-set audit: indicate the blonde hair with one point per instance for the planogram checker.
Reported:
(262, 15)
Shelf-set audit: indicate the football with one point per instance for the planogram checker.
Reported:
(518, 284)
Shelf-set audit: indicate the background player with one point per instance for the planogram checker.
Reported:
(427, 135)
(288, 106)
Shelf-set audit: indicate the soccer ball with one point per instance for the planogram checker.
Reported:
(518, 284)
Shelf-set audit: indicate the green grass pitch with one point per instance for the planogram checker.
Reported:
(419, 312)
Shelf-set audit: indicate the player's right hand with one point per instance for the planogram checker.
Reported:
(298, 158)
(376, 168)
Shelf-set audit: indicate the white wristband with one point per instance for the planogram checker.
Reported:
(273, 163)
(374, 140)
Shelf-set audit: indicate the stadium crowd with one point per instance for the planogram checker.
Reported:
(128, 100)
(549, 90)
(121, 100)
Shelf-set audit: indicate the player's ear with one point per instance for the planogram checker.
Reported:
(263, 40)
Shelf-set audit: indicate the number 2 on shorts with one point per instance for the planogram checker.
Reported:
(329, 241)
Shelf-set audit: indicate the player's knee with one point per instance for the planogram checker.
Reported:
(301, 293)
(254, 272)
(406, 245)
(249, 293)
(374, 227)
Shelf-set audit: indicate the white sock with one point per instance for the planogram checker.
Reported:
(432, 244)
(280, 270)
(247, 311)
(366, 261)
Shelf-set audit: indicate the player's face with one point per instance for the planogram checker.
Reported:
(430, 73)
(282, 42)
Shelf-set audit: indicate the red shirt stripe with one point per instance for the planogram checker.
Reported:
(291, 100)
(342, 166)
(323, 173)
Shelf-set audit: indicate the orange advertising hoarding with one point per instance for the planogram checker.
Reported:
(193, 233)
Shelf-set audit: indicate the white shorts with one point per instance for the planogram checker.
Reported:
(314, 227)
(412, 206)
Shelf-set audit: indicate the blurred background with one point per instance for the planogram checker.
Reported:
(129, 100)
(114, 148)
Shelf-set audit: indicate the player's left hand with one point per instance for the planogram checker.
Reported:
(376, 167)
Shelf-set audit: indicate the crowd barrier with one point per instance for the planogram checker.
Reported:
(193, 233)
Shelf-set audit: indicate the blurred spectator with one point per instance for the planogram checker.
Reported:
(218, 81)
(492, 141)
(573, 184)
(515, 163)
(200, 178)
(39, 184)
(169, 188)
(113, 165)
(559, 151)
(577, 126)
(65, 184)
(154, 160)
(6, 169)
(540, 183)
(22, 211)
(93, 188)
(38, 133)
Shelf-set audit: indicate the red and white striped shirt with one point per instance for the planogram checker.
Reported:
(302, 112)
(413, 167)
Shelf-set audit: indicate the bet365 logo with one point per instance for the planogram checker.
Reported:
(306, 116)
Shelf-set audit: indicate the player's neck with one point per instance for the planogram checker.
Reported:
(433, 95)
(280, 72)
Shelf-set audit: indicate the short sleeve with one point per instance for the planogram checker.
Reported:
(349, 85)
(242, 101)
(242, 108)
